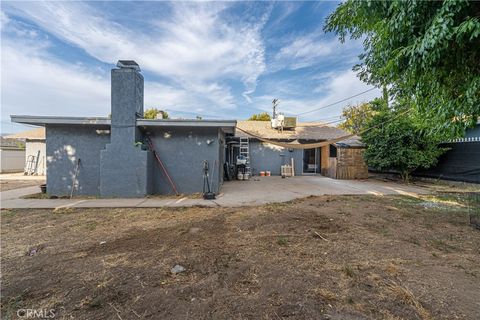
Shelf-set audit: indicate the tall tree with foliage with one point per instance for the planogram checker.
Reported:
(396, 141)
(428, 50)
(264, 116)
(153, 113)
(356, 117)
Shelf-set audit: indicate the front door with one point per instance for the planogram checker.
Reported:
(310, 160)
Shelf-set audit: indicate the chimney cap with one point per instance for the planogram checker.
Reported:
(129, 64)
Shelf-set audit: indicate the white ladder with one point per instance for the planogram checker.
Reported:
(245, 152)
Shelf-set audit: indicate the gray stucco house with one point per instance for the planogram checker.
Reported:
(119, 156)
(110, 157)
(339, 160)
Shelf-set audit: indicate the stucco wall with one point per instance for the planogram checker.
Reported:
(32, 147)
(12, 160)
(183, 150)
(124, 171)
(268, 157)
(66, 144)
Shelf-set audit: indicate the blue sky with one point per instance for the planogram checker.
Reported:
(214, 59)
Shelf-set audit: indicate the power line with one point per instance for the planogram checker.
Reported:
(193, 113)
(337, 102)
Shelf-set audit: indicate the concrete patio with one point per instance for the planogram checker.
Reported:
(256, 191)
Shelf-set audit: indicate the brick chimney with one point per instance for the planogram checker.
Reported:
(127, 101)
(124, 165)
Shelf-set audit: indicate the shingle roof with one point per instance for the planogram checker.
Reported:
(38, 133)
(11, 144)
(318, 131)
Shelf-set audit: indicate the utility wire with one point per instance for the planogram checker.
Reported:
(337, 102)
(193, 113)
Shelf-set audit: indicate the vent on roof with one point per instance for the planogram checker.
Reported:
(129, 64)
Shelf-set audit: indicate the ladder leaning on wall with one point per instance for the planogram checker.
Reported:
(245, 152)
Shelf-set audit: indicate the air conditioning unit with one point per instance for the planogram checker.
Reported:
(282, 122)
(290, 122)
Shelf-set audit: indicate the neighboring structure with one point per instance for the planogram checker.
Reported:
(35, 150)
(340, 160)
(461, 162)
(12, 155)
(110, 157)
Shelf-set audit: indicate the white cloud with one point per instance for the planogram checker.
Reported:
(305, 51)
(315, 48)
(194, 46)
(196, 51)
(334, 86)
(3, 19)
(32, 84)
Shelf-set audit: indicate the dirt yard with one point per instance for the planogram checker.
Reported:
(350, 257)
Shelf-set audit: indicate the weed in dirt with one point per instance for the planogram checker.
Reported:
(91, 225)
(63, 210)
(442, 245)
(15, 303)
(350, 300)
(6, 213)
(282, 241)
(382, 230)
(407, 201)
(428, 225)
(414, 240)
(392, 269)
(407, 297)
(90, 303)
(348, 270)
(325, 294)
(274, 207)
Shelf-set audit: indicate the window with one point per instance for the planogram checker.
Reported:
(333, 151)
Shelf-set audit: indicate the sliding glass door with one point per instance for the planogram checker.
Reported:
(311, 161)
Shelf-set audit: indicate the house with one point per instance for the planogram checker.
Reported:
(333, 153)
(115, 158)
(12, 155)
(35, 150)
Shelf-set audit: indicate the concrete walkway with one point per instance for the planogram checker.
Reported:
(18, 193)
(234, 193)
(20, 176)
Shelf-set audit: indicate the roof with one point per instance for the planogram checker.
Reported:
(317, 131)
(43, 120)
(226, 125)
(38, 134)
(11, 144)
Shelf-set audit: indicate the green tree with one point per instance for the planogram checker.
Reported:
(264, 116)
(356, 117)
(428, 50)
(396, 142)
(152, 113)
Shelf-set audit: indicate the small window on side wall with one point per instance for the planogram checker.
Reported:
(333, 151)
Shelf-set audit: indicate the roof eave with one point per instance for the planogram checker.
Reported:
(42, 120)
(228, 126)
